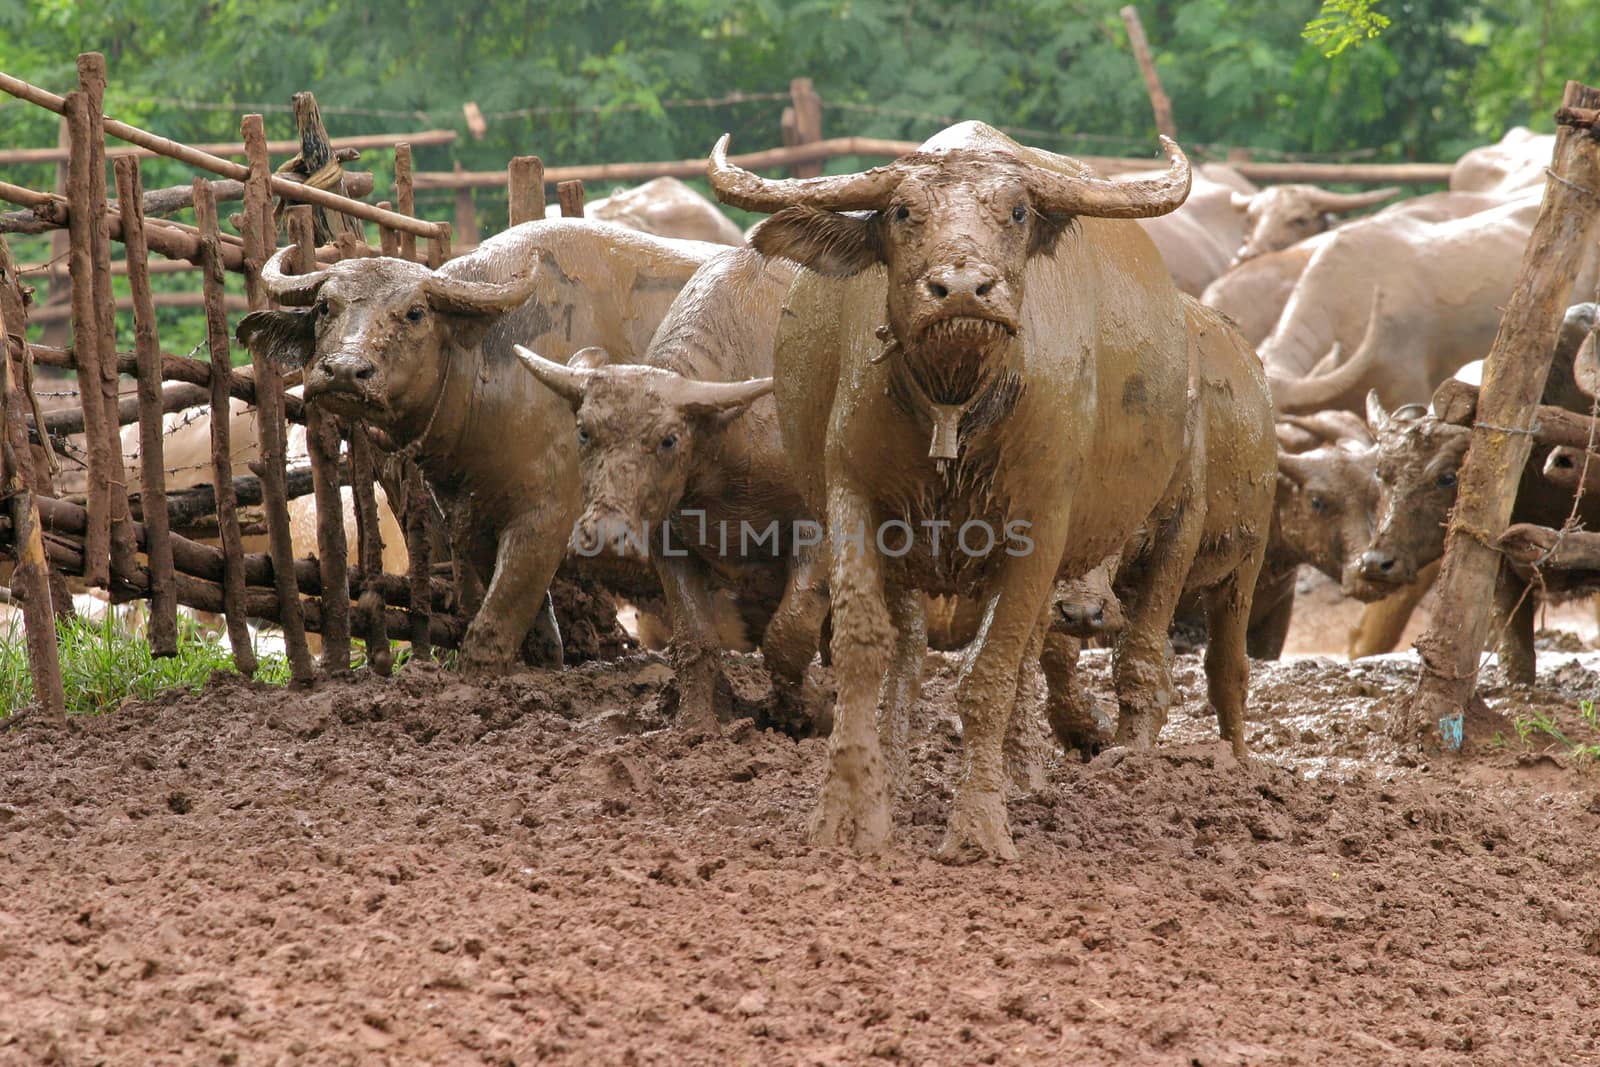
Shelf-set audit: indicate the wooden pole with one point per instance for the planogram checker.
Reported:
(570, 195)
(205, 213)
(31, 576)
(807, 127)
(466, 226)
(404, 197)
(259, 242)
(147, 347)
(374, 623)
(350, 148)
(388, 238)
(322, 444)
(1513, 379)
(92, 83)
(416, 507)
(525, 182)
(86, 348)
(439, 247)
(1159, 102)
(60, 244)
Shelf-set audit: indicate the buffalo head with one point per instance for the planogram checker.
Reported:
(641, 431)
(954, 229)
(375, 336)
(1287, 214)
(1419, 457)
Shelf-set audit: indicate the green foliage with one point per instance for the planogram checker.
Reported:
(103, 664)
(1538, 724)
(1342, 24)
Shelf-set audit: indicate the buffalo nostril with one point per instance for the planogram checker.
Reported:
(1098, 619)
(938, 290)
(1386, 566)
(366, 372)
(983, 290)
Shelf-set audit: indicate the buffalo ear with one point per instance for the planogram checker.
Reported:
(827, 242)
(287, 338)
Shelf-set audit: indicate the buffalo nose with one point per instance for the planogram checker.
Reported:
(1082, 618)
(968, 281)
(1376, 564)
(349, 370)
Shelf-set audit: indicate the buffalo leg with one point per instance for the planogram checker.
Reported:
(1517, 605)
(792, 635)
(1069, 707)
(1384, 622)
(694, 650)
(1271, 611)
(853, 808)
(978, 827)
(525, 561)
(1141, 674)
(902, 686)
(1227, 660)
(1024, 743)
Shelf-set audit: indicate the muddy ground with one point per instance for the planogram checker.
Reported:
(416, 871)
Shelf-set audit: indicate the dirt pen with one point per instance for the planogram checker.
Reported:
(409, 869)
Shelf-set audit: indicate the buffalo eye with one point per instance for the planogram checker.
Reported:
(902, 213)
(323, 309)
(1447, 480)
(414, 313)
(1319, 505)
(583, 436)
(1019, 213)
(669, 442)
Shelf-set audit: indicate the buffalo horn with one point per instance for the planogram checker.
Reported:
(566, 382)
(1068, 194)
(709, 398)
(461, 297)
(291, 290)
(737, 187)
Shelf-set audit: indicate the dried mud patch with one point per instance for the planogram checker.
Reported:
(420, 871)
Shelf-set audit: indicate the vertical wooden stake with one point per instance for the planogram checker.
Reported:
(525, 186)
(466, 214)
(807, 118)
(416, 507)
(86, 350)
(388, 239)
(211, 272)
(439, 246)
(322, 444)
(404, 197)
(570, 193)
(55, 333)
(1159, 102)
(147, 352)
(92, 83)
(1513, 380)
(259, 240)
(30, 577)
(374, 623)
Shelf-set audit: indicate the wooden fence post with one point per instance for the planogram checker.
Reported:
(260, 239)
(807, 123)
(466, 227)
(571, 196)
(439, 246)
(525, 187)
(1513, 379)
(147, 350)
(388, 238)
(205, 215)
(405, 197)
(322, 445)
(92, 84)
(31, 576)
(1160, 103)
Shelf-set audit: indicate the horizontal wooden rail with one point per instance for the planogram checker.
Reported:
(20, 156)
(195, 157)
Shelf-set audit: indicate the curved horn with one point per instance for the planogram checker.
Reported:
(1333, 427)
(1377, 418)
(1099, 198)
(461, 297)
(737, 187)
(1326, 200)
(1294, 467)
(291, 290)
(569, 383)
(709, 398)
(1240, 201)
(1318, 392)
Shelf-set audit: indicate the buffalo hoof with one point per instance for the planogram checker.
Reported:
(853, 810)
(1139, 728)
(1086, 730)
(977, 831)
(480, 667)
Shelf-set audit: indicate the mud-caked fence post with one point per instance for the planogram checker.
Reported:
(1513, 380)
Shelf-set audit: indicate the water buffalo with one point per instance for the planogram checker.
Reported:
(1283, 215)
(1198, 241)
(427, 357)
(964, 374)
(1514, 163)
(681, 459)
(665, 207)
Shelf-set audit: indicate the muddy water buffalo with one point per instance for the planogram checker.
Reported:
(1278, 217)
(965, 375)
(426, 356)
(681, 459)
(665, 207)
(1418, 461)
